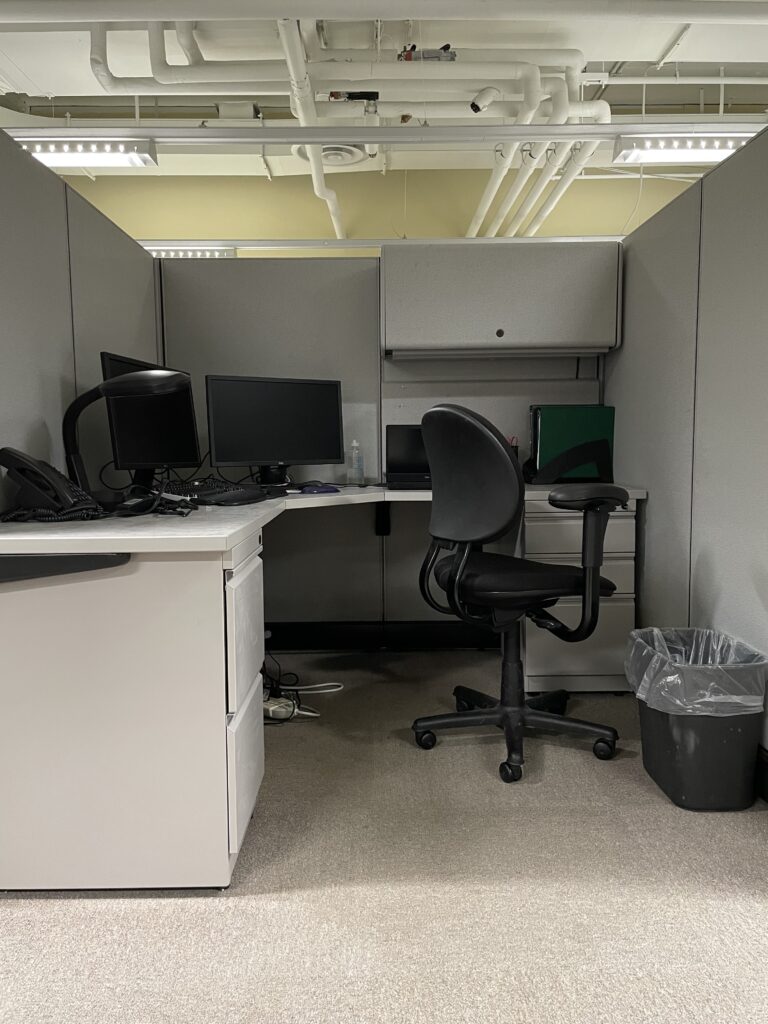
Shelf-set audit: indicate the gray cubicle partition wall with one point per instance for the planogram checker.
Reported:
(306, 318)
(114, 308)
(729, 571)
(650, 381)
(36, 368)
(442, 302)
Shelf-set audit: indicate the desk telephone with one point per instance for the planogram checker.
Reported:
(44, 493)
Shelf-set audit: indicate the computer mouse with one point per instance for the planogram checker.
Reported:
(319, 489)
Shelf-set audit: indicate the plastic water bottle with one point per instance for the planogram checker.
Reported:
(356, 467)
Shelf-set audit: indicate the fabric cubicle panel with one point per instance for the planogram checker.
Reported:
(36, 365)
(304, 318)
(650, 381)
(114, 309)
(729, 577)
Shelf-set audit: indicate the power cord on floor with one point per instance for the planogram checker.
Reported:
(287, 685)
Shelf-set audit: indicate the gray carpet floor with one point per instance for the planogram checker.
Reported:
(380, 883)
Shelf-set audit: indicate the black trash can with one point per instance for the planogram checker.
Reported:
(700, 696)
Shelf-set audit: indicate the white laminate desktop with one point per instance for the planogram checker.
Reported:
(131, 726)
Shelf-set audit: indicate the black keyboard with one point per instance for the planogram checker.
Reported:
(212, 490)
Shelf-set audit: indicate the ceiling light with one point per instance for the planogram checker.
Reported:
(87, 153)
(677, 149)
(190, 252)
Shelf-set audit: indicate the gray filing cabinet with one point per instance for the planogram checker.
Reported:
(597, 663)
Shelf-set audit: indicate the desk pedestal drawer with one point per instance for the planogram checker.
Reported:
(563, 534)
(244, 590)
(602, 654)
(245, 763)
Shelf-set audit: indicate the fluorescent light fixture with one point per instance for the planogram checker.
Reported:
(684, 148)
(92, 152)
(190, 252)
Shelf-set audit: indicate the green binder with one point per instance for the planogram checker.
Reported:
(571, 443)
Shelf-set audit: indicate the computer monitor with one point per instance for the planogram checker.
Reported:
(274, 423)
(152, 431)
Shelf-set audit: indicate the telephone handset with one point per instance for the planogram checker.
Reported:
(44, 493)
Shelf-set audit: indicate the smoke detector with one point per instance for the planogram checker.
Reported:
(335, 154)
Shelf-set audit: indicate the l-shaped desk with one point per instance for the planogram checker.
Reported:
(131, 725)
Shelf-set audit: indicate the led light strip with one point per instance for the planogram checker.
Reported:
(678, 149)
(92, 152)
(208, 252)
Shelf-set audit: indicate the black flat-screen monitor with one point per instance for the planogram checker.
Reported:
(150, 431)
(266, 421)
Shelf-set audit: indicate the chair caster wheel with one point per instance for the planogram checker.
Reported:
(604, 750)
(510, 772)
(426, 740)
(462, 705)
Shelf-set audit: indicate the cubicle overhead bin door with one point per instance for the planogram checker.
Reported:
(522, 297)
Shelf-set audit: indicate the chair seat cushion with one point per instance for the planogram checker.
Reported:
(501, 581)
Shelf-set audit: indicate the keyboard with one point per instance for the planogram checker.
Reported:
(212, 490)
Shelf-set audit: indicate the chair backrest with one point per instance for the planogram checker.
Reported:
(477, 487)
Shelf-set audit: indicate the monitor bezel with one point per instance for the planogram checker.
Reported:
(272, 380)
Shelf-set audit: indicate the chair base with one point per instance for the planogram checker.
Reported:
(514, 714)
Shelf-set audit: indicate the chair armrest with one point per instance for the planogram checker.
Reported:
(588, 497)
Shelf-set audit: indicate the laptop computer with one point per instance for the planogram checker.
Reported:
(406, 458)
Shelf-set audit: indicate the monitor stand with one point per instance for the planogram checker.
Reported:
(110, 500)
(274, 476)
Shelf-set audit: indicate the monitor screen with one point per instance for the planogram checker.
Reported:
(405, 449)
(263, 421)
(151, 431)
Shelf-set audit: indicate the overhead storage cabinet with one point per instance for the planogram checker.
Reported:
(526, 297)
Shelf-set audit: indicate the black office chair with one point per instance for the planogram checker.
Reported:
(478, 497)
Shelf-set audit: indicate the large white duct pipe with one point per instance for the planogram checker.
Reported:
(185, 33)
(558, 91)
(531, 78)
(304, 99)
(243, 72)
(713, 12)
(113, 85)
(601, 113)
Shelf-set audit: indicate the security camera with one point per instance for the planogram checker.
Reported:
(484, 99)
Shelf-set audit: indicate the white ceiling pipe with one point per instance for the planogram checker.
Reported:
(554, 162)
(185, 34)
(600, 79)
(432, 109)
(304, 98)
(713, 12)
(558, 91)
(242, 72)
(371, 116)
(119, 86)
(573, 169)
(601, 112)
(531, 77)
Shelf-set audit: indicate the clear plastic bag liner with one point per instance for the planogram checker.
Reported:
(695, 672)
